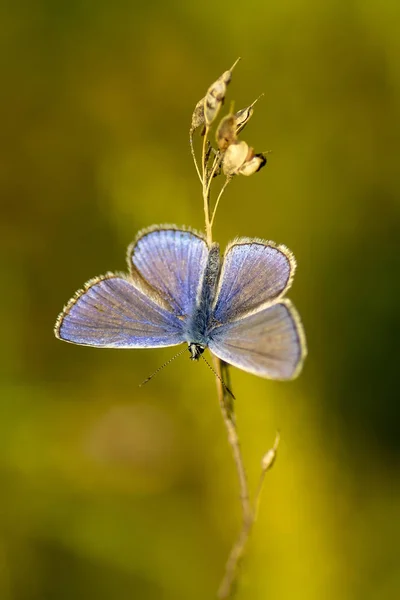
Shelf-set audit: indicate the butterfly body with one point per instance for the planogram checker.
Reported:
(200, 323)
(179, 291)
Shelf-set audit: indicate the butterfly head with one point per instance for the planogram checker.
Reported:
(196, 350)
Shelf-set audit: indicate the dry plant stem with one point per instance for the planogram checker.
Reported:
(217, 162)
(225, 401)
(206, 189)
(225, 589)
(227, 180)
(267, 462)
(249, 512)
(228, 416)
(194, 156)
(249, 517)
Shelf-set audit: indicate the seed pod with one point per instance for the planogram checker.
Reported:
(257, 162)
(216, 95)
(235, 157)
(198, 115)
(226, 132)
(213, 101)
(244, 115)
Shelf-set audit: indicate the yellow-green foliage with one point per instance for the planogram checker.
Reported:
(113, 492)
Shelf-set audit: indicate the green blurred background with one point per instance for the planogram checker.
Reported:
(109, 491)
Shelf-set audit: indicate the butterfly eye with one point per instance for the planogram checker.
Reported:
(196, 350)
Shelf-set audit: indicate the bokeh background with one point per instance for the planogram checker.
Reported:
(109, 491)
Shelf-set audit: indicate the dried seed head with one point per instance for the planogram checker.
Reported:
(213, 101)
(216, 95)
(198, 115)
(244, 115)
(240, 159)
(235, 157)
(226, 132)
(227, 76)
(257, 162)
(269, 457)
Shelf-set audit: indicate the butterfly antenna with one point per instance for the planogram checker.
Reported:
(218, 377)
(162, 366)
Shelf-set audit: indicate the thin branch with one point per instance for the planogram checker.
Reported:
(217, 162)
(225, 401)
(206, 188)
(194, 155)
(226, 587)
(227, 180)
(266, 463)
(249, 512)
(232, 564)
(228, 416)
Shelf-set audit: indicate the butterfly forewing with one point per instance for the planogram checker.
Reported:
(172, 262)
(112, 313)
(269, 343)
(254, 274)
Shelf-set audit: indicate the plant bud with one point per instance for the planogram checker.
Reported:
(268, 459)
(257, 162)
(198, 115)
(244, 115)
(213, 101)
(216, 95)
(235, 157)
(226, 132)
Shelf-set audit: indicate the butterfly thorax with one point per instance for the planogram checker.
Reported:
(199, 324)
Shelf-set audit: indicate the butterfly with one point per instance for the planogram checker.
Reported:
(179, 291)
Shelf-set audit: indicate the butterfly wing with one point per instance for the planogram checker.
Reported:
(254, 274)
(269, 343)
(111, 312)
(172, 261)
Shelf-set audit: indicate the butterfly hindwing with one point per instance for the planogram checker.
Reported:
(111, 312)
(269, 343)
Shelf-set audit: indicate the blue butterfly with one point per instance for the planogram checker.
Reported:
(178, 291)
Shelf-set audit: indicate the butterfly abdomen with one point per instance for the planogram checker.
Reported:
(199, 323)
